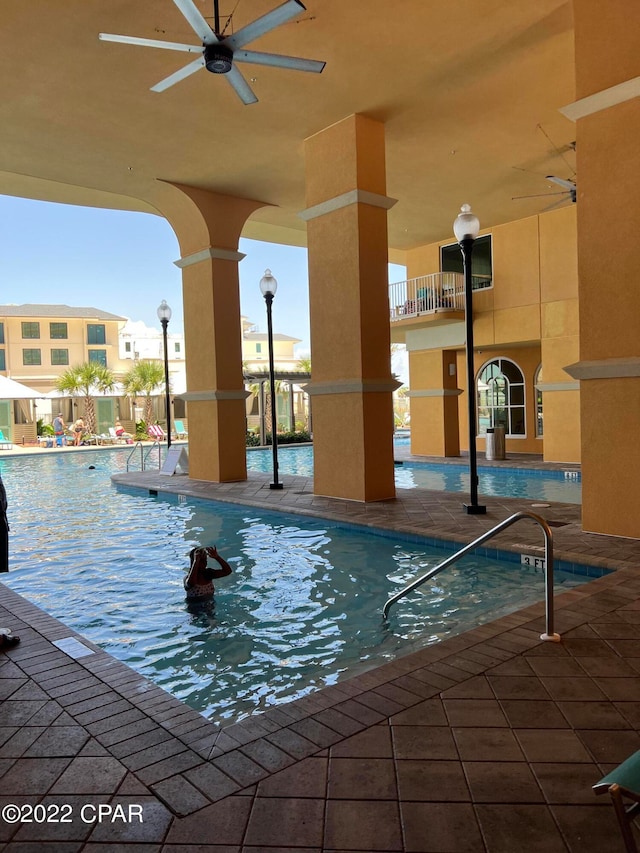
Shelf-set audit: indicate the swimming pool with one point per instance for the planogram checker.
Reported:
(556, 486)
(301, 610)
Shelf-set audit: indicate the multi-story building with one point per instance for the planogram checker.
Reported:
(38, 343)
(290, 378)
(525, 310)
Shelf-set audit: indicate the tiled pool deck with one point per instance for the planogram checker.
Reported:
(489, 741)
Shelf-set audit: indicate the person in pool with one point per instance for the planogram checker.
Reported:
(198, 584)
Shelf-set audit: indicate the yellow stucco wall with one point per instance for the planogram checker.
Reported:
(530, 314)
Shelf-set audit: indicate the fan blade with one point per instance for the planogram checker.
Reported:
(242, 88)
(189, 69)
(537, 195)
(568, 185)
(167, 45)
(275, 59)
(197, 23)
(265, 24)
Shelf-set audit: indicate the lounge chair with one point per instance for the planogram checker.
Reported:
(4, 444)
(623, 784)
(117, 439)
(180, 431)
(156, 432)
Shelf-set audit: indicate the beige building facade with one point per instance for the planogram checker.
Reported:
(38, 343)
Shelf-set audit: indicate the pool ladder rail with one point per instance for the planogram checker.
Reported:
(549, 633)
(144, 456)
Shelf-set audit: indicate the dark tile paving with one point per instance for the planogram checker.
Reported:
(489, 741)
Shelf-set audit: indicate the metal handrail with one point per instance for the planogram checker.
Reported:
(548, 577)
(144, 456)
(150, 451)
(137, 445)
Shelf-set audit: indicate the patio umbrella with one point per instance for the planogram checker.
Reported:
(12, 390)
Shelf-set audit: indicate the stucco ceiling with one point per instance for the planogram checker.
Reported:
(463, 89)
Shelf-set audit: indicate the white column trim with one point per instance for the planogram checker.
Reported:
(610, 97)
(195, 396)
(545, 387)
(352, 386)
(346, 199)
(208, 254)
(435, 392)
(605, 368)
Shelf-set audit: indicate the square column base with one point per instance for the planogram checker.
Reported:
(475, 509)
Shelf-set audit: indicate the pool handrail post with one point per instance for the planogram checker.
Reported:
(549, 634)
(137, 445)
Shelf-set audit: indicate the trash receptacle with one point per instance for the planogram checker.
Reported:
(495, 443)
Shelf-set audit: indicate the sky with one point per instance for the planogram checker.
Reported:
(123, 262)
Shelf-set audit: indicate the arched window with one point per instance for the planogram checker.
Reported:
(500, 390)
(537, 381)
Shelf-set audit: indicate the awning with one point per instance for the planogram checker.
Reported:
(12, 390)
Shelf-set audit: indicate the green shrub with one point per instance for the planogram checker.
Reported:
(141, 431)
(297, 437)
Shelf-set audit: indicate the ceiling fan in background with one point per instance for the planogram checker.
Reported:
(219, 53)
(569, 189)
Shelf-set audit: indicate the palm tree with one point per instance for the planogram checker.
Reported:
(144, 378)
(85, 380)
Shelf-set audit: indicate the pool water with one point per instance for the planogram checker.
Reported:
(556, 486)
(301, 610)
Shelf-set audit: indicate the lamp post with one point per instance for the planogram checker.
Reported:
(466, 228)
(268, 287)
(164, 315)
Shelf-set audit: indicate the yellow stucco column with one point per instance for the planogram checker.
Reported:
(208, 227)
(349, 307)
(607, 114)
(560, 335)
(434, 404)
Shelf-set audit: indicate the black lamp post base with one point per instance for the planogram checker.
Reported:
(475, 509)
(276, 485)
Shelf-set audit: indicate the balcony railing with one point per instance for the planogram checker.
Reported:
(430, 294)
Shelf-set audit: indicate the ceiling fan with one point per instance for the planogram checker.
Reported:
(568, 193)
(569, 189)
(219, 53)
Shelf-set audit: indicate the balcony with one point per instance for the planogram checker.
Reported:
(440, 293)
(435, 299)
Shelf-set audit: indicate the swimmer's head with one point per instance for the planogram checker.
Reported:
(196, 554)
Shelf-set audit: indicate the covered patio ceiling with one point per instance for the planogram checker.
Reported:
(463, 90)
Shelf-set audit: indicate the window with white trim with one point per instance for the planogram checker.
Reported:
(500, 396)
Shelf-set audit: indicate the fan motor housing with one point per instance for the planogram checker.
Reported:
(218, 58)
